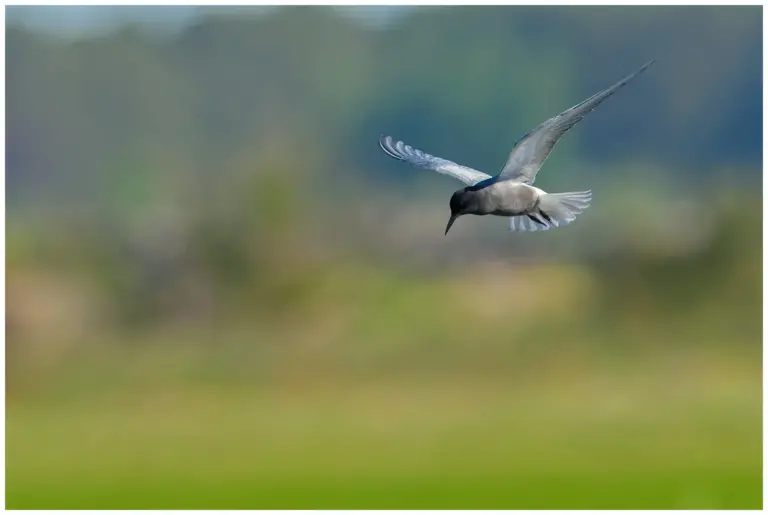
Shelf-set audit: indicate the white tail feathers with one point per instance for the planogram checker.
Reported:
(553, 210)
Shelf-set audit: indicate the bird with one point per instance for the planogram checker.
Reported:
(511, 193)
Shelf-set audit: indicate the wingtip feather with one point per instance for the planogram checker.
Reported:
(385, 142)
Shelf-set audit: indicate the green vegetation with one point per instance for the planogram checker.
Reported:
(586, 440)
(362, 393)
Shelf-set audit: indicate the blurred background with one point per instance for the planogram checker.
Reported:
(222, 294)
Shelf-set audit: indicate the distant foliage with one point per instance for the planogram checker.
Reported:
(463, 82)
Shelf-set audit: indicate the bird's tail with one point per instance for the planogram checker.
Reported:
(553, 210)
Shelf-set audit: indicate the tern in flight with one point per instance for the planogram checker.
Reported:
(511, 193)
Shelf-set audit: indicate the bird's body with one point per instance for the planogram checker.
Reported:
(511, 193)
(505, 198)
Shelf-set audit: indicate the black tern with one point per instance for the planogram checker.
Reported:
(511, 192)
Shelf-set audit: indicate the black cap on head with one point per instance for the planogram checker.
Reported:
(457, 202)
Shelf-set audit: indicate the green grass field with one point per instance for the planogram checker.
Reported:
(643, 437)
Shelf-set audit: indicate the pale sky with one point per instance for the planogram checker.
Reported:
(74, 20)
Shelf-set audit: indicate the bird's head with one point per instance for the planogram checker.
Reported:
(461, 204)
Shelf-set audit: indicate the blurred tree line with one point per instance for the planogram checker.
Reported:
(101, 116)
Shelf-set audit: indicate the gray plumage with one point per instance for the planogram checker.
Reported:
(511, 193)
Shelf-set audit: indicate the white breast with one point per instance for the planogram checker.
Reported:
(510, 198)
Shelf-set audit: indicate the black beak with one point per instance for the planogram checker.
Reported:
(450, 222)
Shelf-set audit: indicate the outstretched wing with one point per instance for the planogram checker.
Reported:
(532, 150)
(419, 159)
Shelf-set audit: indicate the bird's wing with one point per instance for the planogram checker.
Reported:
(532, 150)
(419, 159)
